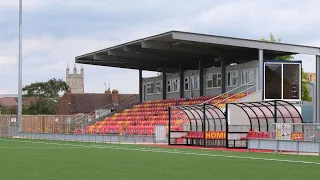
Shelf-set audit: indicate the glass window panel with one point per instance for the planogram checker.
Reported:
(272, 81)
(197, 82)
(291, 81)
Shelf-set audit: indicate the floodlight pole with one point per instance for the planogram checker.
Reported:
(20, 68)
(317, 98)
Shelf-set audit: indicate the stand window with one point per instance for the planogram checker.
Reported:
(150, 88)
(232, 78)
(197, 82)
(247, 75)
(158, 87)
(186, 84)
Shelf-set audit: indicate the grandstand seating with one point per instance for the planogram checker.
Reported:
(142, 118)
(257, 135)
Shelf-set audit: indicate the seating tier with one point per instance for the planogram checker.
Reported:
(150, 113)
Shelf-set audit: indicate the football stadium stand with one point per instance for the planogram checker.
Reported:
(142, 118)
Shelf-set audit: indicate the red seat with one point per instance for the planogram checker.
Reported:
(255, 135)
(193, 135)
(249, 135)
(265, 135)
(187, 135)
(260, 135)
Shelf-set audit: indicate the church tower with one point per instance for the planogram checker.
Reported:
(75, 81)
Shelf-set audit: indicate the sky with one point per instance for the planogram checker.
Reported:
(56, 31)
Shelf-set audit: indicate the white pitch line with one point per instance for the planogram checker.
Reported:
(176, 152)
(26, 147)
(64, 144)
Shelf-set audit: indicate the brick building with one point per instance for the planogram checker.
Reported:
(312, 77)
(76, 103)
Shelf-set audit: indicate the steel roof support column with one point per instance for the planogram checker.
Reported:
(164, 84)
(169, 124)
(227, 126)
(204, 125)
(181, 81)
(276, 113)
(260, 69)
(317, 107)
(314, 96)
(201, 77)
(223, 75)
(140, 86)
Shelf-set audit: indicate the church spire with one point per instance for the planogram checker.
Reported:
(74, 69)
(67, 70)
(81, 70)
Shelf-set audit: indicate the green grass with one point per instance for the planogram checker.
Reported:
(57, 160)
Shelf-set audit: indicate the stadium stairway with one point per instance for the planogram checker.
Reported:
(141, 119)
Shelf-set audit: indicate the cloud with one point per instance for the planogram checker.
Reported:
(56, 31)
(309, 61)
(7, 61)
(46, 57)
(28, 5)
(258, 17)
(4, 91)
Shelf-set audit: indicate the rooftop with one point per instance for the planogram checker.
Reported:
(168, 50)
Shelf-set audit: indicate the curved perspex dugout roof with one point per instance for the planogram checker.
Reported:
(262, 114)
(204, 117)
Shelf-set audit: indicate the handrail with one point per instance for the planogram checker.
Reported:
(226, 93)
(134, 96)
(246, 84)
(235, 95)
(111, 104)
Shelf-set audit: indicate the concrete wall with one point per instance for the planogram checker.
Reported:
(193, 74)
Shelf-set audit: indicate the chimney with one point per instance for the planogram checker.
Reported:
(107, 91)
(115, 95)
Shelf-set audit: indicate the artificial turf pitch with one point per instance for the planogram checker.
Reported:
(59, 160)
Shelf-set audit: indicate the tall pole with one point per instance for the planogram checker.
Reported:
(314, 100)
(317, 98)
(20, 68)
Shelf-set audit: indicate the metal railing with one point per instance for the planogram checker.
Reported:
(227, 94)
(289, 138)
(117, 106)
(105, 138)
(248, 85)
(295, 131)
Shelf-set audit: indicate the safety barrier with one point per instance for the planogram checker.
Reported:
(289, 146)
(107, 138)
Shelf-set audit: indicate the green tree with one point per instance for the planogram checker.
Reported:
(47, 94)
(46, 106)
(10, 110)
(305, 81)
(50, 89)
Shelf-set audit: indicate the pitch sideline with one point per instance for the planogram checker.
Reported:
(171, 152)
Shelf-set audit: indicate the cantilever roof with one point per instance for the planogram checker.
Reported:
(168, 50)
